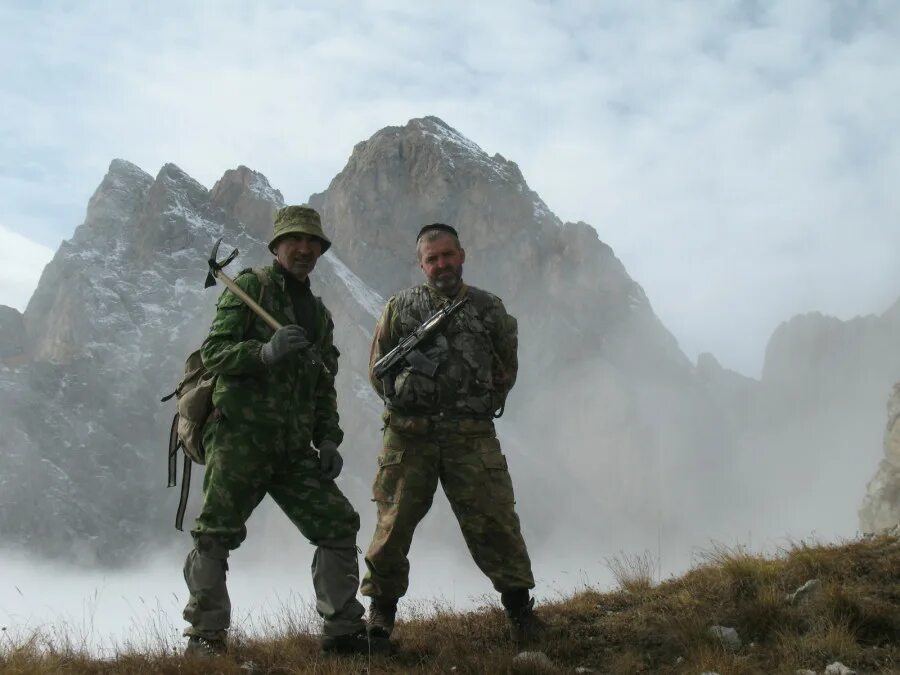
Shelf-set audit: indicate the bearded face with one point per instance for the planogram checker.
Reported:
(441, 260)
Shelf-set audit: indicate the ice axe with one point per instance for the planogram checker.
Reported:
(215, 272)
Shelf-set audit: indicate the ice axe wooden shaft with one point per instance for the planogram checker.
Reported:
(215, 272)
(250, 302)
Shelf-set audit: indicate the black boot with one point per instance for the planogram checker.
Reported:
(524, 624)
(204, 647)
(357, 643)
(382, 612)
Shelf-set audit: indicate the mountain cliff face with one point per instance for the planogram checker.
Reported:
(247, 195)
(610, 428)
(880, 508)
(12, 333)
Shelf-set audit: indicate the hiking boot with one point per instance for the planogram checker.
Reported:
(204, 647)
(353, 644)
(526, 627)
(382, 612)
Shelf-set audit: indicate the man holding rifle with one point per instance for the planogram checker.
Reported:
(443, 360)
(274, 400)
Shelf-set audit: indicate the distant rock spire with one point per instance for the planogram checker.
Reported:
(246, 195)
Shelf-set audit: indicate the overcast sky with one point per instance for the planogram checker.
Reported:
(742, 159)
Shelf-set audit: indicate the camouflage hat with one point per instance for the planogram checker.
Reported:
(298, 220)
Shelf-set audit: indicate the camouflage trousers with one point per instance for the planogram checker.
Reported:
(473, 473)
(243, 464)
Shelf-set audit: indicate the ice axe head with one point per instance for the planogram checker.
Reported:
(215, 265)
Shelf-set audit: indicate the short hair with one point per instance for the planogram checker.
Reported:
(430, 234)
(437, 226)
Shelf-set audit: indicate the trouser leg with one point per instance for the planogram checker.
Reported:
(209, 608)
(476, 480)
(403, 491)
(233, 485)
(322, 513)
(335, 574)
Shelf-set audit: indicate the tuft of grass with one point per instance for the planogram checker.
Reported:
(823, 643)
(633, 573)
(745, 573)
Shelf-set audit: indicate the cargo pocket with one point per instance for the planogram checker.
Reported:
(498, 483)
(389, 479)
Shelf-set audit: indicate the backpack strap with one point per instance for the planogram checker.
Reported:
(185, 490)
(264, 280)
(174, 446)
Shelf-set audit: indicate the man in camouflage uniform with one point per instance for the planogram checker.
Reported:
(274, 400)
(441, 429)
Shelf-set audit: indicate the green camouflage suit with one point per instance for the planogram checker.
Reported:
(258, 442)
(442, 430)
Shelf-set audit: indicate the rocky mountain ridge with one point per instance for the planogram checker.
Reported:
(608, 416)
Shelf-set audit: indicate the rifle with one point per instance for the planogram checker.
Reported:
(407, 352)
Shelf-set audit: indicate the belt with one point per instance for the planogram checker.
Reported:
(439, 423)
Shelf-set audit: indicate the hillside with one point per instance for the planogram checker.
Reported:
(849, 615)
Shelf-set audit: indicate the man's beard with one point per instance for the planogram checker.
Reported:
(301, 267)
(449, 281)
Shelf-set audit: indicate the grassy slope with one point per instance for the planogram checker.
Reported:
(642, 627)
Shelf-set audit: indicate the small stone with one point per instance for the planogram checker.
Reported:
(838, 668)
(727, 636)
(532, 659)
(679, 660)
(805, 672)
(805, 593)
(709, 672)
(584, 669)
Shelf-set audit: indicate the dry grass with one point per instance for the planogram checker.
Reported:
(642, 627)
(633, 573)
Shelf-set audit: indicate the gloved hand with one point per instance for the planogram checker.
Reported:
(287, 340)
(330, 460)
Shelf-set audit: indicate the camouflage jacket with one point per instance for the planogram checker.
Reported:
(294, 401)
(476, 353)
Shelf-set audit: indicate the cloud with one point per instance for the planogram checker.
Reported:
(21, 264)
(741, 159)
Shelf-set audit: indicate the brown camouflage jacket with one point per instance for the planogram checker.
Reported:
(476, 353)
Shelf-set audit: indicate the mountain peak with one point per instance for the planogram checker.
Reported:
(247, 195)
(172, 174)
(121, 190)
(125, 169)
(460, 152)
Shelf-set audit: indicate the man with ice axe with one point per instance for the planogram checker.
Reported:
(274, 401)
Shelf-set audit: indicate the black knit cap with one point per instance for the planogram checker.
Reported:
(436, 226)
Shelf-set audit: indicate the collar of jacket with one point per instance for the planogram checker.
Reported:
(442, 299)
(279, 274)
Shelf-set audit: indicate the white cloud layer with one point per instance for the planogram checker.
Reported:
(21, 264)
(740, 158)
